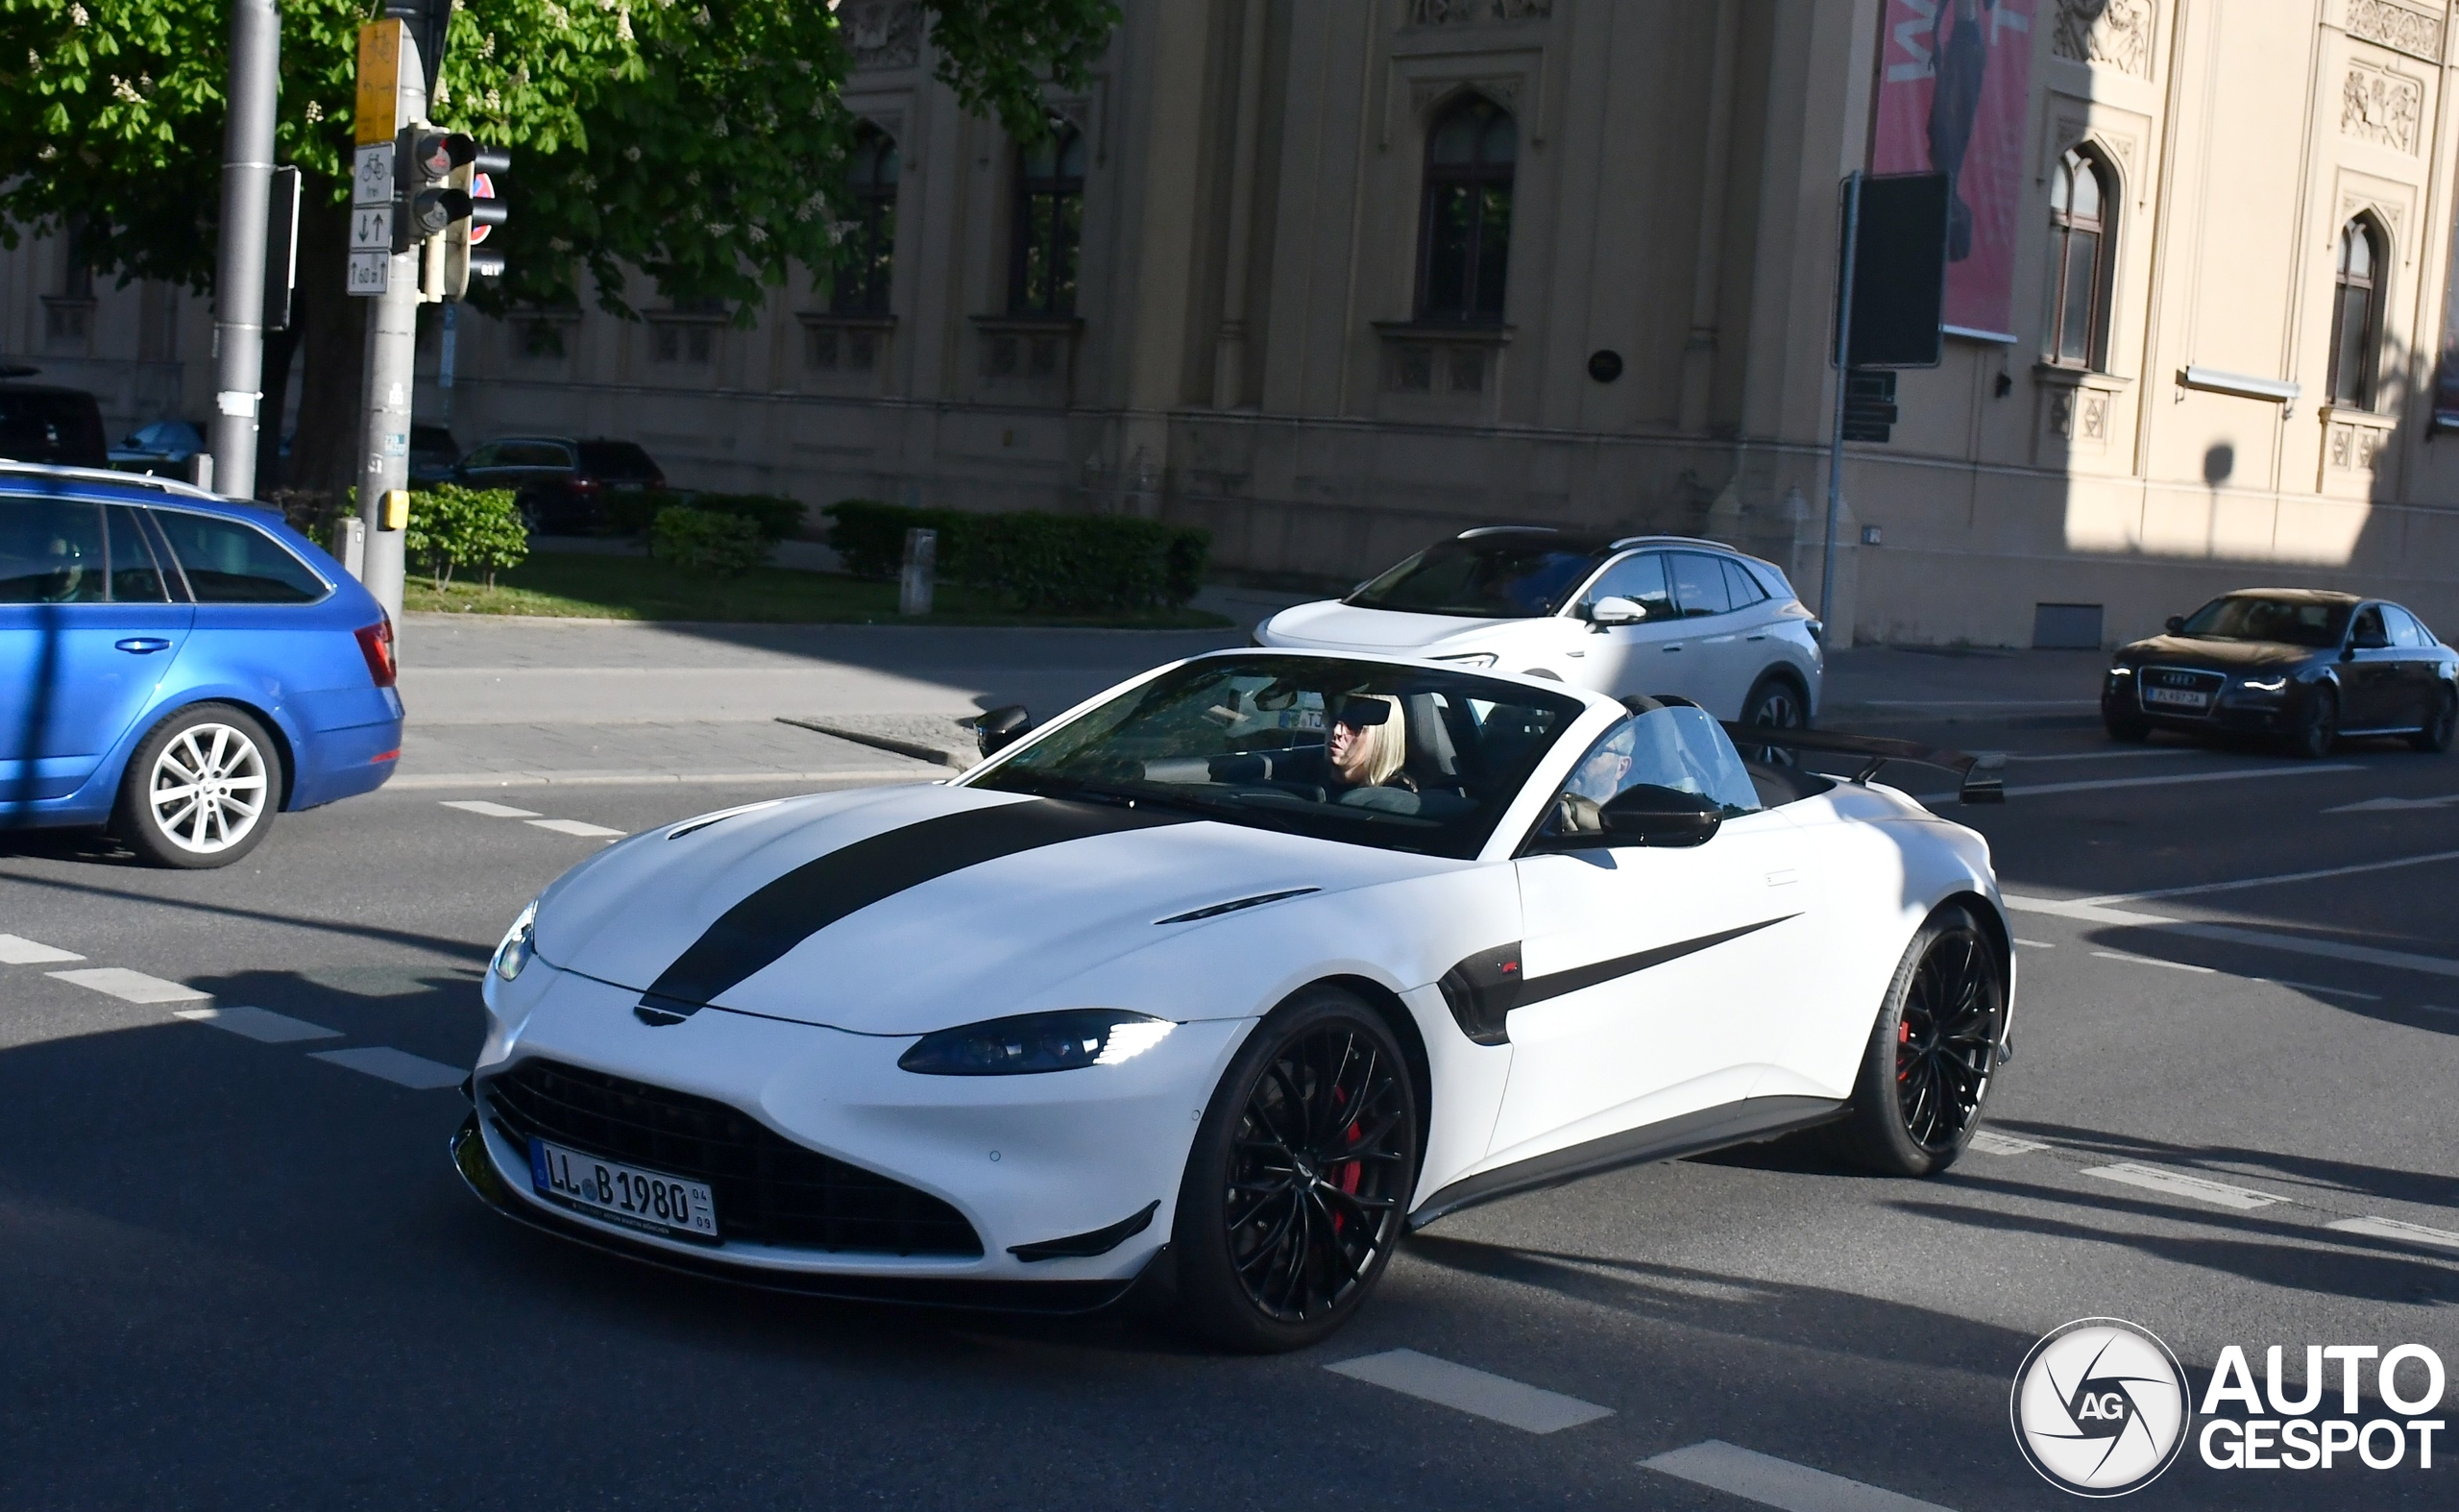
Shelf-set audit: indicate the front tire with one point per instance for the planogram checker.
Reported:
(1778, 702)
(2440, 726)
(1297, 1188)
(201, 789)
(1932, 1053)
(2317, 726)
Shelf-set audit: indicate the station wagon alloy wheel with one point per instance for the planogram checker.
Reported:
(201, 789)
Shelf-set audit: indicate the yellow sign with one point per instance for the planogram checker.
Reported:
(395, 513)
(380, 45)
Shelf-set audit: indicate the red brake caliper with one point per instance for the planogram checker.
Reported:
(1903, 1036)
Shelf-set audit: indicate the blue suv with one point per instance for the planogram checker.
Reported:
(178, 666)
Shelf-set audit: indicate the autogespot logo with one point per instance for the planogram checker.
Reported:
(2101, 1407)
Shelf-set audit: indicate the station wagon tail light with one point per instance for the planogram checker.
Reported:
(376, 643)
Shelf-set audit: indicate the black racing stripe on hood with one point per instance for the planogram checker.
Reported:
(760, 930)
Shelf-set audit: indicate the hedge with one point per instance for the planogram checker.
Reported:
(631, 513)
(707, 540)
(452, 527)
(1046, 562)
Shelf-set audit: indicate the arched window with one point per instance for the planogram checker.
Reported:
(1464, 236)
(2079, 219)
(2356, 313)
(867, 258)
(1050, 221)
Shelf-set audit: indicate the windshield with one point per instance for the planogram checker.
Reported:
(2291, 621)
(1490, 578)
(1402, 758)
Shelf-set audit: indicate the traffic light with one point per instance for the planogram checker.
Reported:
(461, 257)
(444, 204)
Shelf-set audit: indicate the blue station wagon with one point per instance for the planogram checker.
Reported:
(178, 666)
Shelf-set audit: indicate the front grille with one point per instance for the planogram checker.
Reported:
(768, 1189)
(2183, 679)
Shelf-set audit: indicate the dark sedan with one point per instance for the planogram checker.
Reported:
(2302, 665)
(560, 485)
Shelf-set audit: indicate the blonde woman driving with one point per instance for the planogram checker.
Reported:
(1366, 746)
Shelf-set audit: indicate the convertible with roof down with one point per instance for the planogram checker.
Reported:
(1229, 977)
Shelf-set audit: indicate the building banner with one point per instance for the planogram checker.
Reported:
(1954, 79)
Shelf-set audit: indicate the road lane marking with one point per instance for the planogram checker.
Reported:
(1495, 1398)
(261, 1025)
(1990, 1143)
(16, 950)
(2317, 986)
(400, 1067)
(2112, 755)
(2436, 1008)
(2091, 913)
(2273, 881)
(132, 987)
(2393, 1228)
(572, 827)
(2037, 790)
(2176, 1184)
(2373, 805)
(493, 811)
(2036, 944)
(2154, 961)
(1774, 1482)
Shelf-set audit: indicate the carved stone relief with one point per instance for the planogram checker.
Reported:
(2352, 447)
(2115, 32)
(881, 33)
(1454, 13)
(2379, 106)
(2399, 27)
(1503, 91)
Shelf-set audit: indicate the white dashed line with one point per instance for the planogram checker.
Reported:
(572, 827)
(1774, 1482)
(2152, 961)
(132, 987)
(2274, 881)
(259, 1024)
(2036, 944)
(2436, 1008)
(1988, 1143)
(493, 811)
(16, 950)
(1496, 1398)
(2317, 986)
(2175, 1184)
(400, 1067)
(2091, 913)
(2393, 1228)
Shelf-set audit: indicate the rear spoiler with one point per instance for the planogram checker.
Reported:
(1983, 777)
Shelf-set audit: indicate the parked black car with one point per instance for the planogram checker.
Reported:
(2303, 665)
(560, 485)
(433, 454)
(40, 423)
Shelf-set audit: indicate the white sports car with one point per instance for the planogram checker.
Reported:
(1251, 962)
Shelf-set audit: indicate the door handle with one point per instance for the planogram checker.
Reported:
(1671, 649)
(144, 645)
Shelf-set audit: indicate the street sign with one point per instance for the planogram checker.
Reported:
(380, 81)
(370, 228)
(370, 178)
(371, 272)
(1869, 403)
(1899, 271)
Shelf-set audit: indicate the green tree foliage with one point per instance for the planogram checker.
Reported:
(707, 540)
(465, 527)
(696, 140)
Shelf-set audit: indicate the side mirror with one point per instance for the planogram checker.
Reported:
(1646, 815)
(1608, 612)
(2177, 623)
(2372, 640)
(999, 728)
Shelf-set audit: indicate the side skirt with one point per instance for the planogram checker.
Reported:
(1746, 1122)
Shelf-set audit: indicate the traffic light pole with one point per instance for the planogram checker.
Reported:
(240, 271)
(1844, 381)
(392, 350)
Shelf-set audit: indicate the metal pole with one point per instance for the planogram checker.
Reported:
(392, 350)
(239, 270)
(1843, 377)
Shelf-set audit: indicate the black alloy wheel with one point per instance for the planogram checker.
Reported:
(2315, 727)
(1296, 1187)
(1776, 703)
(1932, 1054)
(2441, 725)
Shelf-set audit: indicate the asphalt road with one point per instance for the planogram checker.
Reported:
(235, 1274)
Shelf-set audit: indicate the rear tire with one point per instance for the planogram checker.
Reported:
(1778, 701)
(1932, 1053)
(2317, 726)
(201, 789)
(2440, 726)
(1297, 1188)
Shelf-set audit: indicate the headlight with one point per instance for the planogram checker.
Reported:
(514, 952)
(1474, 659)
(2120, 670)
(2272, 686)
(1061, 1041)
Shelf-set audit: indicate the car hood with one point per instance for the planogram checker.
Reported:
(1335, 625)
(899, 910)
(2233, 656)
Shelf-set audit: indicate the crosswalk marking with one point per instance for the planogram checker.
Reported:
(1496, 1398)
(2152, 961)
(261, 1025)
(398, 1066)
(2393, 1228)
(1780, 1483)
(572, 827)
(492, 810)
(2176, 1184)
(1990, 1143)
(16, 950)
(132, 987)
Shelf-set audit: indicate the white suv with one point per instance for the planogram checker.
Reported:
(1642, 615)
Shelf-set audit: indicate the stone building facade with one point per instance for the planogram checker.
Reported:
(1335, 277)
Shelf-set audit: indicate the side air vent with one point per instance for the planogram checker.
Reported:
(1215, 910)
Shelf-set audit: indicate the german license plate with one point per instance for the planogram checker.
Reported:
(623, 1194)
(2178, 697)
